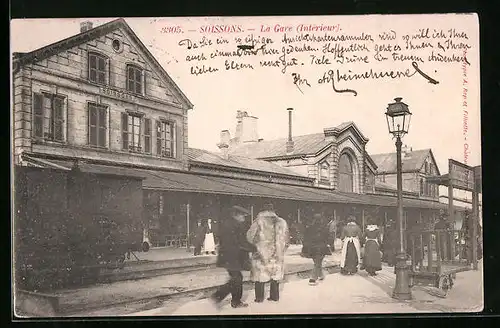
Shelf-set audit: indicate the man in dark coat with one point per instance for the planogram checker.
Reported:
(317, 238)
(390, 243)
(199, 237)
(444, 230)
(233, 255)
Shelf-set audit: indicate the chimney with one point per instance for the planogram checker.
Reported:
(289, 143)
(239, 124)
(249, 129)
(223, 145)
(405, 150)
(85, 26)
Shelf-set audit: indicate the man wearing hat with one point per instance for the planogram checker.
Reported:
(233, 255)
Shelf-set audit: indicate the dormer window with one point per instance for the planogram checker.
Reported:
(98, 68)
(135, 79)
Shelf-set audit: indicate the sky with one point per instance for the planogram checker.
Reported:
(438, 113)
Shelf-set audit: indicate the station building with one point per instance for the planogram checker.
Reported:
(100, 102)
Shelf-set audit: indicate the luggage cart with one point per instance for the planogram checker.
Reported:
(436, 258)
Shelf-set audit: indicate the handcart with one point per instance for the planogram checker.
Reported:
(436, 257)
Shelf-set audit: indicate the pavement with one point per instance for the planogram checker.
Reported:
(339, 294)
(94, 300)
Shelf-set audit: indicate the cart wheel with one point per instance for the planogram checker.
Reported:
(444, 284)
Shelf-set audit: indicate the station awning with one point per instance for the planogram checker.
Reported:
(209, 184)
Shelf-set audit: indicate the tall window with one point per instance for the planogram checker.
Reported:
(48, 112)
(97, 68)
(165, 142)
(97, 125)
(426, 168)
(421, 186)
(134, 79)
(136, 133)
(324, 172)
(346, 174)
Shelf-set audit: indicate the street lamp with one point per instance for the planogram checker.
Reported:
(398, 121)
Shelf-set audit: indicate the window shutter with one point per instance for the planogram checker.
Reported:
(102, 127)
(173, 136)
(158, 138)
(38, 115)
(58, 118)
(147, 135)
(144, 82)
(125, 131)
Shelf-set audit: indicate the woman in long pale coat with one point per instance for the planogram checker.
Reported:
(269, 233)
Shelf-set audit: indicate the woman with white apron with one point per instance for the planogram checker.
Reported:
(351, 248)
(209, 243)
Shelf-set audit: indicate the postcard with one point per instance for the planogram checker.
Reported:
(277, 165)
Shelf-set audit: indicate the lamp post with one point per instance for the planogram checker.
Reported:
(398, 121)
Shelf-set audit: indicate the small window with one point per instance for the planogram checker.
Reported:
(48, 120)
(134, 79)
(117, 45)
(97, 125)
(97, 68)
(165, 141)
(324, 172)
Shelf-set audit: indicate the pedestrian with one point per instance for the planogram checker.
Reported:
(317, 240)
(442, 228)
(233, 255)
(209, 242)
(390, 243)
(215, 231)
(332, 229)
(269, 233)
(351, 248)
(199, 237)
(372, 261)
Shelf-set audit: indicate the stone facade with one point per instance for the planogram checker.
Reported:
(67, 74)
(414, 180)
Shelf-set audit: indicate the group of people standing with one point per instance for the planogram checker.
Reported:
(319, 240)
(206, 237)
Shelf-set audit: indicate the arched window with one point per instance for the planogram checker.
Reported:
(426, 168)
(346, 174)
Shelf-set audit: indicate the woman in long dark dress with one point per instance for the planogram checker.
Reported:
(315, 245)
(351, 248)
(372, 261)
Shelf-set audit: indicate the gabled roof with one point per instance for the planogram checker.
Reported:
(309, 144)
(203, 157)
(413, 162)
(20, 59)
(370, 160)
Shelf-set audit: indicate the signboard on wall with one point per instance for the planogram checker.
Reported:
(461, 175)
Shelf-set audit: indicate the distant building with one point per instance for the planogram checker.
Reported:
(417, 167)
(335, 159)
